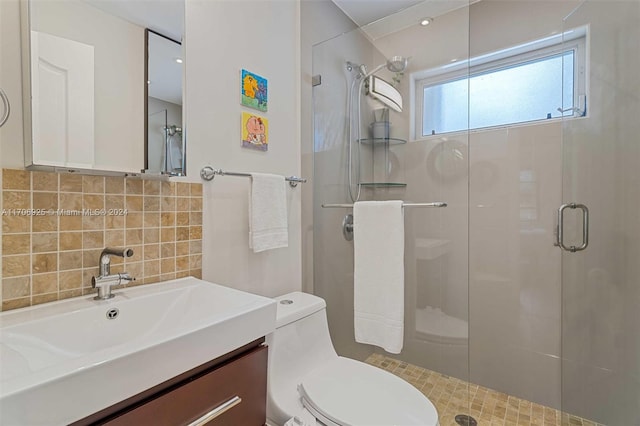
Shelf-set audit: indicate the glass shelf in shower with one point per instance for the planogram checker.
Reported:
(384, 185)
(382, 141)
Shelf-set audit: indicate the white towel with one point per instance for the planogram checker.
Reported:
(378, 239)
(268, 223)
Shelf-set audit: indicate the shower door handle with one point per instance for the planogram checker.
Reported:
(585, 227)
(6, 108)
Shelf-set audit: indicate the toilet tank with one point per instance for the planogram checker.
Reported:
(300, 343)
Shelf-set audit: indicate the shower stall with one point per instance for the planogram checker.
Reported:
(527, 282)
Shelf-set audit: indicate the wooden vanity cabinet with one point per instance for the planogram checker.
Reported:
(229, 391)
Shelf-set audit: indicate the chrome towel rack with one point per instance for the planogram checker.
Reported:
(350, 206)
(208, 173)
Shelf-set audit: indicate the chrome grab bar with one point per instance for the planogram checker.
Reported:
(585, 227)
(7, 107)
(216, 412)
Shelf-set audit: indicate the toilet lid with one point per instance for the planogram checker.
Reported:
(345, 392)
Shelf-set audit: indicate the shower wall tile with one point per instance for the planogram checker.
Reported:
(50, 254)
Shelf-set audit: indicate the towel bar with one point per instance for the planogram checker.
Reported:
(350, 206)
(208, 173)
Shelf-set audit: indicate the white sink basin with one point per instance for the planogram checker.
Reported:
(63, 361)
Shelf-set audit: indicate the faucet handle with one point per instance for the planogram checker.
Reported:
(125, 278)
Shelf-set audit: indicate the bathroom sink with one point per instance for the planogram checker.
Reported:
(63, 361)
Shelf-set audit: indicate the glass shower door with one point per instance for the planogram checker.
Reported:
(601, 170)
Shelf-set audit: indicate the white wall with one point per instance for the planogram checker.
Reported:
(222, 37)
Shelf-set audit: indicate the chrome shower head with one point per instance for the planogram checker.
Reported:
(397, 63)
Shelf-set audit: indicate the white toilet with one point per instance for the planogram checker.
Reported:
(308, 380)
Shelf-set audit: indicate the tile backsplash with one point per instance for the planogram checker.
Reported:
(54, 227)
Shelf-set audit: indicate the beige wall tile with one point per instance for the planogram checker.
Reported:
(168, 204)
(16, 179)
(195, 261)
(151, 251)
(133, 186)
(183, 204)
(182, 263)
(196, 189)
(93, 201)
(151, 187)
(115, 202)
(114, 222)
(195, 232)
(151, 268)
(182, 248)
(195, 246)
(69, 280)
(195, 218)
(70, 183)
(151, 235)
(44, 283)
(13, 288)
(182, 274)
(69, 294)
(167, 234)
(151, 220)
(133, 237)
(196, 273)
(182, 233)
(70, 201)
(93, 184)
(183, 189)
(69, 223)
(114, 185)
(16, 199)
(45, 200)
(48, 264)
(151, 204)
(133, 203)
(91, 258)
(15, 266)
(70, 241)
(196, 204)
(182, 219)
(43, 242)
(167, 250)
(134, 220)
(114, 238)
(15, 224)
(168, 218)
(93, 240)
(168, 189)
(16, 303)
(44, 262)
(16, 244)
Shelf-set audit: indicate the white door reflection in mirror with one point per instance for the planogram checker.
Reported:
(62, 88)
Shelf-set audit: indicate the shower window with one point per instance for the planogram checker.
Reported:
(518, 85)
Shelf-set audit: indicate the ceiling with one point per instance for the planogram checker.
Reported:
(364, 12)
(379, 18)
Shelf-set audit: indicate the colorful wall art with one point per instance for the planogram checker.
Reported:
(253, 89)
(255, 131)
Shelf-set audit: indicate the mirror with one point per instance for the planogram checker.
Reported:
(87, 80)
(164, 142)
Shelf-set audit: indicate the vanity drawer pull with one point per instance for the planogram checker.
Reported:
(219, 410)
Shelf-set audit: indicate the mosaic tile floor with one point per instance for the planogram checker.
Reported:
(453, 396)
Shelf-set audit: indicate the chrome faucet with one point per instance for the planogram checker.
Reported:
(105, 280)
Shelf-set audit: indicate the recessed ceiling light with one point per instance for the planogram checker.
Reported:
(148, 81)
(179, 60)
(425, 21)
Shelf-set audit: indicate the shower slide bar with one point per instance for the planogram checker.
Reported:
(350, 206)
(208, 173)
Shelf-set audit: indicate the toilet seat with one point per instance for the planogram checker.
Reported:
(345, 392)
